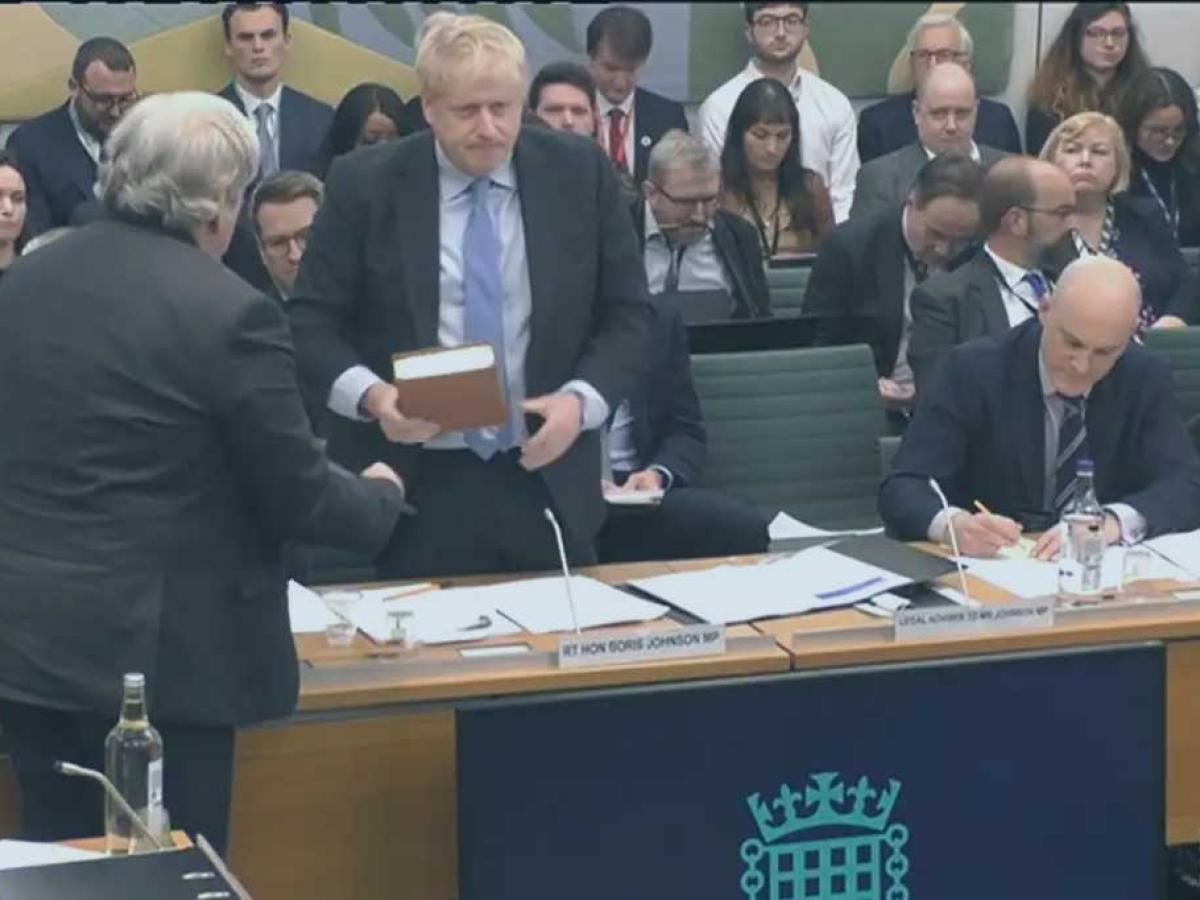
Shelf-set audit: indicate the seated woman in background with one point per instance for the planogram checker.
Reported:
(12, 210)
(762, 177)
(1088, 67)
(1158, 115)
(368, 114)
(1091, 149)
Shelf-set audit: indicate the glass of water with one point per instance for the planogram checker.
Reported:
(340, 633)
(1136, 566)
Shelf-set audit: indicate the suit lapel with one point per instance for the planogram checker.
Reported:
(290, 130)
(231, 94)
(1027, 441)
(643, 135)
(417, 203)
(982, 284)
(542, 207)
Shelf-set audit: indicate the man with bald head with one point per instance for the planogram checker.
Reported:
(944, 111)
(990, 428)
(1025, 212)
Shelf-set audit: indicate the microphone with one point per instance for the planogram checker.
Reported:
(962, 574)
(66, 768)
(562, 558)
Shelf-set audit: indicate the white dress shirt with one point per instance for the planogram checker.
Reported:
(1020, 301)
(828, 129)
(604, 107)
(504, 203)
(91, 144)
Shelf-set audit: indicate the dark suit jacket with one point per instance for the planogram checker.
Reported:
(857, 286)
(738, 249)
(303, 123)
(653, 116)
(980, 432)
(886, 181)
(1038, 125)
(951, 308)
(368, 288)
(58, 172)
(156, 458)
(888, 125)
(668, 427)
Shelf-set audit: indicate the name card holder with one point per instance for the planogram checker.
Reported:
(944, 622)
(605, 648)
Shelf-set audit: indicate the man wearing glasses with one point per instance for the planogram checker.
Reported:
(888, 125)
(60, 150)
(776, 33)
(283, 208)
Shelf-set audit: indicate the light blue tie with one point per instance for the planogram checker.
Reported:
(483, 305)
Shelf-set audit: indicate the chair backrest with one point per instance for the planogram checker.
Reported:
(787, 285)
(889, 445)
(1192, 255)
(794, 430)
(1181, 348)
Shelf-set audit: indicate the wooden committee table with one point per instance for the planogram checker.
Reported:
(356, 793)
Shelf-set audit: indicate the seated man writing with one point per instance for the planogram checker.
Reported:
(1007, 420)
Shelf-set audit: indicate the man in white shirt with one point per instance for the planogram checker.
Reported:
(776, 33)
(1025, 209)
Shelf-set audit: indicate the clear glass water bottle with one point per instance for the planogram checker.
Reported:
(133, 762)
(1081, 560)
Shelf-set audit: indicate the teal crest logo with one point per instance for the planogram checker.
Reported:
(839, 836)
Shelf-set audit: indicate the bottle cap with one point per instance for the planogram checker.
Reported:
(135, 680)
(1085, 466)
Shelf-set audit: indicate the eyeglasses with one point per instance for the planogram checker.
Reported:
(1162, 133)
(108, 102)
(703, 202)
(790, 22)
(930, 57)
(1095, 33)
(279, 244)
(1059, 212)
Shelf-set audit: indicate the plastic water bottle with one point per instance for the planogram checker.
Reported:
(133, 762)
(1081, 560)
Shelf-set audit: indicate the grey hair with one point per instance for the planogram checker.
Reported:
(678, 149)
(939, 20)
(179, 159)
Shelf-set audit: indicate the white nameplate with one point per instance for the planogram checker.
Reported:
(602, 648)
(964, 621)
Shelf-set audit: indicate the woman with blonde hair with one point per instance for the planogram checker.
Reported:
(1090, 147)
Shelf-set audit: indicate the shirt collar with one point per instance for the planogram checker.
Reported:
(90, 142)
(604, 106)
(974, 153)
(1012, 274)
(652, 228)
(455, 181)
(250, 102)
(753, 72)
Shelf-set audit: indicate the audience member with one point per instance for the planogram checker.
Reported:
(657, 441)
(1008, 420)
(936, 38)
(563, 96)
(368, 114)
(631, 119)
(290, 124)
(59, 151)
(688, 243)
(1091, 149)
(763, 179)
(863, 278)
(13, 200)
(1025, 209)
(487, 232)
(776, 33)
(154, 458)
(282, 210)
(1158, 116)
(944, 112)
(1095, 56)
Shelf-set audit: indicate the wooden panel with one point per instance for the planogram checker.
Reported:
(1183, 742)
(349, 808)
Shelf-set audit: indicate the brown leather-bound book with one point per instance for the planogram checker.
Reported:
(456, 387)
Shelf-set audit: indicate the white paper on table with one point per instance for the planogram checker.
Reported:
(307, 611)
(1029, 578)
(649, 497)
(812, 579)
(435, 617)
(784, 526)
(540, 605)
(1183, 549)
(19, 854)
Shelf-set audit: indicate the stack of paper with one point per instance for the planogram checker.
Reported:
(307, 611)
(19, 854)
(1031, 578)
(810, 580)
(1182, 549)
(784, 526)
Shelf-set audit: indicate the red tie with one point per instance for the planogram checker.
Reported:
(616, 138)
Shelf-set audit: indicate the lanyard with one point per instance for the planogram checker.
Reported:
(1005, 286)
(1170, 212)
(769, 250)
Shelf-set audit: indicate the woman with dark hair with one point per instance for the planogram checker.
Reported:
(1158, 116)
(763, 180)
(12, 210)
(1088, 67)
(368, 114)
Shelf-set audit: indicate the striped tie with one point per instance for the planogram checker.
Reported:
(1072, 446)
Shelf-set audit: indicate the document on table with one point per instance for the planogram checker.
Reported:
(307, 611)
(540, 605)
(817, 578)
(1031, 578)
(19, 854)
(434, 617)
(783, 527)
(1182, 549)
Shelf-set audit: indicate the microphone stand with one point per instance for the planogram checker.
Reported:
(66, 768)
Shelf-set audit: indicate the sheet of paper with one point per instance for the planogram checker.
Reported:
(435, 617)
(784, 526)
(812, 579)
(308, 613)
(1182, 549)
(1031, 578)
(540, 605)
(18, 854)
(634, 498)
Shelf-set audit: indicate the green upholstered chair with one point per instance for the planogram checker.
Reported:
(888, 445)
(794, 430)
(787, 285)
(1181, 348)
